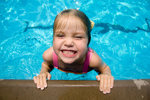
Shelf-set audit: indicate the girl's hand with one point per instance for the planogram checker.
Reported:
(40, 80)
(106, 82)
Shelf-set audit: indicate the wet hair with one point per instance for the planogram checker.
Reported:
(78, 14)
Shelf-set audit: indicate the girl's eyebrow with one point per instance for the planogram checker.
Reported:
(59, 31)
(79, 32)
(75, 33)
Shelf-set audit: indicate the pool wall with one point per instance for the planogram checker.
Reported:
(74, 90)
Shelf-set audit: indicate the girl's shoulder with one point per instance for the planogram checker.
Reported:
(95, 60)
(48, 54)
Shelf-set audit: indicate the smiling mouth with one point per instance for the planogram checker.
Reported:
(69, 53)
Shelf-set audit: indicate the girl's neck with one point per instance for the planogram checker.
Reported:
(79, 62)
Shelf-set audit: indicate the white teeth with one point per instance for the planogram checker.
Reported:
(71, 53)
(68, 52)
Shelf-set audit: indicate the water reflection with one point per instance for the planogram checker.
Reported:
(106, 27)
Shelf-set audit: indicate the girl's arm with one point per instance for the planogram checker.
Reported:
(105, 77)
(40, 80)
(47, 65)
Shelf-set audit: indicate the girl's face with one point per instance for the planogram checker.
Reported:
(70, 40)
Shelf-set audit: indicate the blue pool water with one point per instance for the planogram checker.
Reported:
(115, 37)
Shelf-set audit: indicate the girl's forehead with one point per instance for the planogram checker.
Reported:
(69, 22)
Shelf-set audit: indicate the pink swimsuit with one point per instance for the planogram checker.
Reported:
(86, 63)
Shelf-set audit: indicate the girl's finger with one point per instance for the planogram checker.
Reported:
(38, 82)
(35, 79)
(41, 83)
(112, 82)
(49, 76)
(44, 82)
(101, 83)
(98, 78)
(108, 85)
(105, 85)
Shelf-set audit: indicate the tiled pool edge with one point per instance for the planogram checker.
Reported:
(74, 90)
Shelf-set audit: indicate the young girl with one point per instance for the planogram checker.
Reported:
(70, 51)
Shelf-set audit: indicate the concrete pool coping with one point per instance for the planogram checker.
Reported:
(74, 90)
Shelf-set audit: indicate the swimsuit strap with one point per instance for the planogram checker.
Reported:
(55, 60)
(87, 60)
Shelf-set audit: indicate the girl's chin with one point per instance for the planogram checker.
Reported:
(68, 60)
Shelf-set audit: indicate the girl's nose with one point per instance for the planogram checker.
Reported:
(69, 43)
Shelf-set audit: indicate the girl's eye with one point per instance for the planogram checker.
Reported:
(60, 35)
(78, 37)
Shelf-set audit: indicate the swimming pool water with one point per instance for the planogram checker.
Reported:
(115, 36)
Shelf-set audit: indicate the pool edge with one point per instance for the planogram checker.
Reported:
(74, 90)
